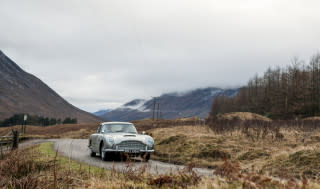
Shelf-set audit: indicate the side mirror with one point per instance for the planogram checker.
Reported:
(143, 132)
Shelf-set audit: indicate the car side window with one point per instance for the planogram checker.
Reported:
(99, 129)
(104, 128)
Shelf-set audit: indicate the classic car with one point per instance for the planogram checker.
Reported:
(119, 138)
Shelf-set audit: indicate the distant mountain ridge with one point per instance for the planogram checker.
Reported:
(101, 112)
(21, 92)
(172, 105)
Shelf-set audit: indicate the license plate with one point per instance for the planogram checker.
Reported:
(131, 150)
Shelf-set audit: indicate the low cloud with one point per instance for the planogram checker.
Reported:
(100, 54)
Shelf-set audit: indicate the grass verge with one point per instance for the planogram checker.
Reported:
(304, 163)
(41, 167)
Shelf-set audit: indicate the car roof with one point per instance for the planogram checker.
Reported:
(114, 122)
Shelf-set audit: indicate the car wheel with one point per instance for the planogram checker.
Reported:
(146, 157)
(123, 157)
(102, 154)
(92, 154)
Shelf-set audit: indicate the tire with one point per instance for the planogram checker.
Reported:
(102, 154)
(146, 157)
(92, 154)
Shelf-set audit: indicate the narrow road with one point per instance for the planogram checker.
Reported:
(77, 149)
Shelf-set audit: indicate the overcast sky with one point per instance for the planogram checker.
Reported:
(100, 54)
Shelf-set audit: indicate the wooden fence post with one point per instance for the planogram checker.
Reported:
(1, 150)
(15, 139)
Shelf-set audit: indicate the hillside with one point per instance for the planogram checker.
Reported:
(21, 92)
(101, 112)
(172, 105)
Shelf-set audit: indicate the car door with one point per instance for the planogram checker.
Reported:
(100, 137)
(94, 140)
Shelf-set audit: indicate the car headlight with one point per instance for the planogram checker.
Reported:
(110, 140)
(149, 141)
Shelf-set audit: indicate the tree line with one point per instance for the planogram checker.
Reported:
(280, 93)
(17, 119)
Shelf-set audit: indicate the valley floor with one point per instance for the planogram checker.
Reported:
(237, 160)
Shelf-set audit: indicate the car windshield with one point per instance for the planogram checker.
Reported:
(119, 128)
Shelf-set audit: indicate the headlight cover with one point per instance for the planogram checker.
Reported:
(110, 140)
(150, 141)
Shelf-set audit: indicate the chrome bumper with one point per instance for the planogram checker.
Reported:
(133, 151)
(129, 150)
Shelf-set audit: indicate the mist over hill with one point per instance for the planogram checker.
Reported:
(171, 105)
(101, 112)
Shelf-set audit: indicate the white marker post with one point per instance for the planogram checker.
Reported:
(25, 117)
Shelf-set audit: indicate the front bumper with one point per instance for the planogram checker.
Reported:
(128, 150)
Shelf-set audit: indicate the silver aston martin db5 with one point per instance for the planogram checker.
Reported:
(118, 138)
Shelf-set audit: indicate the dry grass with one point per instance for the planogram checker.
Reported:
(194, 118)
(148, 124)
(303, 163)
(41, 167)
(243, 116)
(187, 144)
(317, 118)
(85, 130)
(297, 151)
(294, 156)
(57, 131)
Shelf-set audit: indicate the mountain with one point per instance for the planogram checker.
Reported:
(172, 105)
(101, 112)
(21, 92)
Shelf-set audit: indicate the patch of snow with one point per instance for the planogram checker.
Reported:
(214, 92)
(180, 94)
(143, 109)
(137, 105)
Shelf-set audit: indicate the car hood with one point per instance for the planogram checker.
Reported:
(120, 137)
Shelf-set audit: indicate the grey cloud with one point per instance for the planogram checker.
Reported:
(115, 51)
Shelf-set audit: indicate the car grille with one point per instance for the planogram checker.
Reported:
(131, 145)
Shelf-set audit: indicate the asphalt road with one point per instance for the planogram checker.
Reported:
(77, 149)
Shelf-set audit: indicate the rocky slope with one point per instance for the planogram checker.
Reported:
(21, 92)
